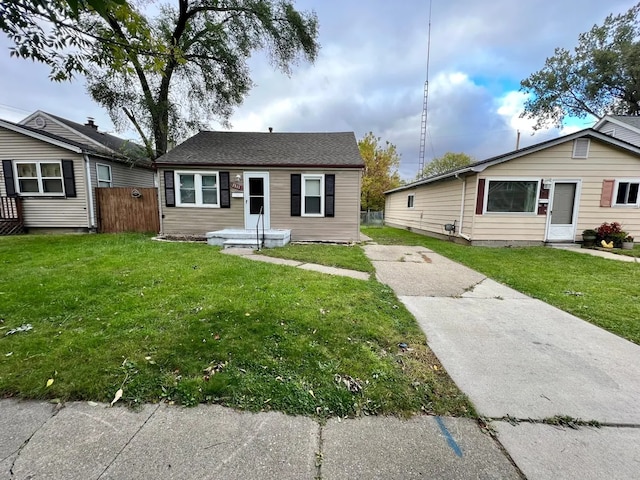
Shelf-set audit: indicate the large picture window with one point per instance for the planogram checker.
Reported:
(197, 189)
(39, 178)
(512, 196)
(313, 195)
(626, 192)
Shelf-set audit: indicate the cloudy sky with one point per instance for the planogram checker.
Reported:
(371, 72)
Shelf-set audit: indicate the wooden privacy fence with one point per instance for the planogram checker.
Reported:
(127, 209)
(11, 221)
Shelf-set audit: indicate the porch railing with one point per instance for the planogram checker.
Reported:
(11, 220)
(260, 219)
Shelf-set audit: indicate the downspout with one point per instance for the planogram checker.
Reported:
(92, 215)
(464, 192)
(156, 180)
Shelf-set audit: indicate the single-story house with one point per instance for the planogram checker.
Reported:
(548, 192)
(305, 183)
(53, 165)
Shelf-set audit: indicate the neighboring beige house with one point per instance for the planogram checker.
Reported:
(306, 184)
(54, 165)
(548, 192)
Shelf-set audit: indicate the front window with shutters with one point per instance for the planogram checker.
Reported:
(39, 178)
(626, 192)
(197, 189)
(511, 196)
(312, 195)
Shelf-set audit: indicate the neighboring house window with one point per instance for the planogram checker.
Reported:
(197, 189)
(512, 196)
(39, 178)
(410, 200)
(104, 175)
(313, 195)
(626, 192)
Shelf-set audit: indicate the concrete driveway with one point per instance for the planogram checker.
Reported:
(521, 358)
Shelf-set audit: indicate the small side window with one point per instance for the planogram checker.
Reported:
(410, 198)
(103, 172)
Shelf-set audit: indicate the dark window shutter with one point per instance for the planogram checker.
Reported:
(225, 190)
(480, 197)
(9, 181)
(169, 188)
(607, 193)
(329, 195)
(296, 194)
(68, 178)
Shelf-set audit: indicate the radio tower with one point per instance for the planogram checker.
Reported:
(423, 126)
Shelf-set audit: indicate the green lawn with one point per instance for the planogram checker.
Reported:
(351, 257)
(182, 322)
(603, 292)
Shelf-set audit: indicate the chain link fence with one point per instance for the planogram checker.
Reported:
(372, 219)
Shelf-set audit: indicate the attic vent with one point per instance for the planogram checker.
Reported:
(581, 148)
(39, 122)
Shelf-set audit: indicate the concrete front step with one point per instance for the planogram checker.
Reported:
(231, 237)
(241, 243)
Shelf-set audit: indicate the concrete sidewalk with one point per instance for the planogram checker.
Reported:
(521, 362)
(87, 441)
(253, 255)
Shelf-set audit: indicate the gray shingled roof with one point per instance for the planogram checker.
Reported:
(632, 120)
(90, 149)
(112, 142)
(338, 149)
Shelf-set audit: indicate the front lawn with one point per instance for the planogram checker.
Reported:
(603, 292)
(183, 323)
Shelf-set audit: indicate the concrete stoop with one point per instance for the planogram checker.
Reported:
(240, 238)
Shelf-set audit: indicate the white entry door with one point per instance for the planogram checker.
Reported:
(563, 212)
(256, 199)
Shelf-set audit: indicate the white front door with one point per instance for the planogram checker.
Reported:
(256, 199)
(563, 210)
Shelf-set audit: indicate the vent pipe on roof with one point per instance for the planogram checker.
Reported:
(90, 123)
(270, 129)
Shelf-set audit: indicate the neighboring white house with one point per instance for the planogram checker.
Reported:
(54, 165)
(623, 127)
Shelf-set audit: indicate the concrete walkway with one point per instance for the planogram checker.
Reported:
(521, 361)
(253, 255)
(89, 441)
(598, 253)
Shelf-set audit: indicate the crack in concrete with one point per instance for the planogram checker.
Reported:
(562, 422)
(128, 442)
(54, 412)
(319, 455)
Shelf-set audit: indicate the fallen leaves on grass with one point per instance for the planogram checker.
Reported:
(117, 396)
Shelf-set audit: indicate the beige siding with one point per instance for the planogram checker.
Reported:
(198, 221)
(555, 163)
(61, 130)
(434, 205)
(343, 227)
(42, 212)
(439, 203)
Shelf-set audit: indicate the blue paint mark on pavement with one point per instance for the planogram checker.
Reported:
(452, 443)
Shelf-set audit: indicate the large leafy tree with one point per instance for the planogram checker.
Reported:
(449, 161)
(600, 76)
(169, 74)
(381, 164)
